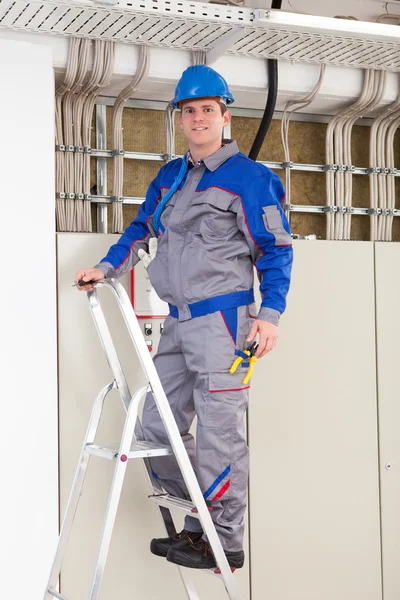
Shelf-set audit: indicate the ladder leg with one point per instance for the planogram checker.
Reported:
(115, 493)
(73, 501)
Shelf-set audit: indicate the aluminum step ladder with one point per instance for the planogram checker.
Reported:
(132, 447)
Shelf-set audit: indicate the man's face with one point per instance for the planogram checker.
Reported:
(202, 122)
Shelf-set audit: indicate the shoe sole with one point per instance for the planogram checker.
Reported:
(183, 562)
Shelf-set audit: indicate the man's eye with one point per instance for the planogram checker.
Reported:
(209, 109)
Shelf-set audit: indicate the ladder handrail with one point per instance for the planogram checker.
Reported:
(165, 412)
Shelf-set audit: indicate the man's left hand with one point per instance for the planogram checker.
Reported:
(268, 336)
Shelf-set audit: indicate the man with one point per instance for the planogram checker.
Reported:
(215, 213)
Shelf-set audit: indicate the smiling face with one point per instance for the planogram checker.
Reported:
(202, 123)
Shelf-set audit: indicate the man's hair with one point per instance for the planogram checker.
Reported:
(217, 99)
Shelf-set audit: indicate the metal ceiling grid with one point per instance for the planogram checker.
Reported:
(211, 28)
(318, 48)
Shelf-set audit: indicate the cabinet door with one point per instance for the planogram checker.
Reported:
(388, 335)
(314, 484)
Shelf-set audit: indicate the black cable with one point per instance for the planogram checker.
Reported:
(271, 100)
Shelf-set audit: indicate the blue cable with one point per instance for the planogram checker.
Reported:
(157, 215)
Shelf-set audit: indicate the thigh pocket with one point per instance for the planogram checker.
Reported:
(227, 400)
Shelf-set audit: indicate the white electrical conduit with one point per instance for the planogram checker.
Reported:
(382, 163)
(296, 105)
(334, 154)
(77, 111)
(377, 133)
(82, 60)
(389, 17)
(367, 97)
(199, 57)
(72, 62)
(103, 66)
(390, 181)
(118, 138)
(377, 95)
(331, 188)
(169, 131)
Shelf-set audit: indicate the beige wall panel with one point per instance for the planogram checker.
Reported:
(314, 484)
(132, 571)
(388, 334)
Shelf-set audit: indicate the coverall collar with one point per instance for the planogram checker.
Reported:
(212, 162)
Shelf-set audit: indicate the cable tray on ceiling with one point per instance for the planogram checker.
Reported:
(213, 28)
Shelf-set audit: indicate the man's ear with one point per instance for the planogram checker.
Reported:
(227, 117)
(180, 121)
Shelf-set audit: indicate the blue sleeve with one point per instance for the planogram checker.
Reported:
(122, 256)
(270, 241)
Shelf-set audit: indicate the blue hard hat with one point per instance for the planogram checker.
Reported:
(201, 81)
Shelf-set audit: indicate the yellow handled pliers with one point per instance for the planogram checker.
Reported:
(242, 355)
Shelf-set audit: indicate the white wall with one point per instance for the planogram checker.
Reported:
(28, 366)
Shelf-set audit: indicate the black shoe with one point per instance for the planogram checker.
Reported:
(160, 546)
(198, 555)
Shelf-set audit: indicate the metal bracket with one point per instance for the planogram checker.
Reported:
(288, 207)
(117, 198)
(79, 149)
(350, 168)
(393, 171)
(372, 170)
(60, 148)
(118, 152)
(332, 167)
(70, 196)
(341, 168)
(87, 149)
(287, 165)
(87, 196)
(374, 211)
(329, 209)
(60, 195)
(224, 44)
(261, 15)
(80, 196)
(69, 148)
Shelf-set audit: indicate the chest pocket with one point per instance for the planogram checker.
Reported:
(209, 213)
(166, 213)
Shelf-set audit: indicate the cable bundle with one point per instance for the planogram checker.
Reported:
(103, 66)
(296, 105)
(75, 100)
(381, 179)
(338, 154)
(72, 66)
(118, 141)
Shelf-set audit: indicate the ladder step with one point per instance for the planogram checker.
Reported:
(173, 502)
(138, 450)
(56, 594)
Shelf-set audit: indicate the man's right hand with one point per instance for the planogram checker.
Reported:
(88, 275)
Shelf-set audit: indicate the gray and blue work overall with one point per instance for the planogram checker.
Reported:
(225, 217)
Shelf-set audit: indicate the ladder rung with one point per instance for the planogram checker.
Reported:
(56, 594)
(139, 450)
(172, 502)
